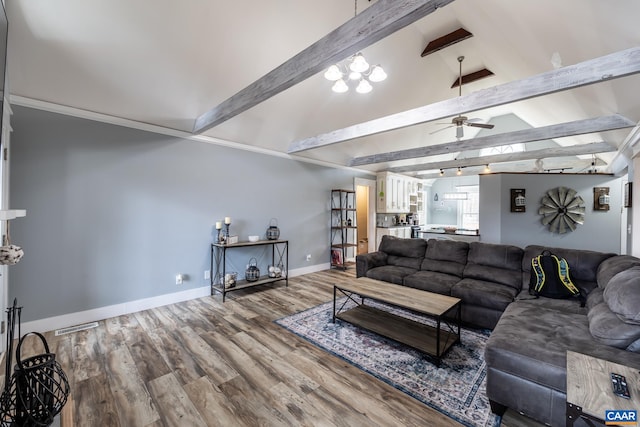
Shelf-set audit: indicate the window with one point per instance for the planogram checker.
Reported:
(469, 210)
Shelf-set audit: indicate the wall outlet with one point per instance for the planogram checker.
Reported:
(308, 257)
(207, 274)
(179, 279)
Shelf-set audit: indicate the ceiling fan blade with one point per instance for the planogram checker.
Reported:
(440, 130)
(479, 125)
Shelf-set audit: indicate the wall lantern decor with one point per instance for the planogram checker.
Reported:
(518, 200)
(601, 198)
(561, 209)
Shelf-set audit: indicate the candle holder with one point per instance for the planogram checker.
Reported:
(226, 231)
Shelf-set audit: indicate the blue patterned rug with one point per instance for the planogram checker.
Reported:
(456, 389)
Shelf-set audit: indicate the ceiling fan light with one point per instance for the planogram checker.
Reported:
(339, 86)
(459, 132)
(359, 64)
(333, 73)
(364, 86)
(377, 74)
(354, 75)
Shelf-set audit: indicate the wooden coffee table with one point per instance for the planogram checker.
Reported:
(434, 341)
(589, 390)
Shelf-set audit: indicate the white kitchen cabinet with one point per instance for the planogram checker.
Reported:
(393, 192)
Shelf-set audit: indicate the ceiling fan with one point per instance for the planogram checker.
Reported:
(460, 120)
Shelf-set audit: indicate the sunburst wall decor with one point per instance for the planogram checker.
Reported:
(562, 209)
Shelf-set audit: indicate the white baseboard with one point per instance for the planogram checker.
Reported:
(97, 314)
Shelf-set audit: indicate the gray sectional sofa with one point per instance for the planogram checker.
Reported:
(526, 352)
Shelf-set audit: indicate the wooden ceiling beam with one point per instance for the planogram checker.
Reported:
(605, 68)
(445, 41)
(472, 77)
(572, 150)
(381, 19)
(578, 127)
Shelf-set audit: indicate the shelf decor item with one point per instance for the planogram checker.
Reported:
(230, 279)
(273, 232)
(253, 272)
(275, 271)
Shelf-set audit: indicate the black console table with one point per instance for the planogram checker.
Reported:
(279, 257)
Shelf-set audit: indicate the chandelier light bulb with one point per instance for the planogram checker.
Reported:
(340, 86)
(359, 64)
(377, 74)
(364, 86)
(333, 73)
(354, 75)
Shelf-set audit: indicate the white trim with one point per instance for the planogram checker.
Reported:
(119, 121)
(101, 313)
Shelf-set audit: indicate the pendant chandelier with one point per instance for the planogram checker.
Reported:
(357, 70)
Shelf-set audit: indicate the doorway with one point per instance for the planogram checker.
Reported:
(365, 215)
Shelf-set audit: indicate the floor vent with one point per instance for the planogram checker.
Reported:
(76, 328)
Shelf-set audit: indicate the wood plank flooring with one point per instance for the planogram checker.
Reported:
(207, 363)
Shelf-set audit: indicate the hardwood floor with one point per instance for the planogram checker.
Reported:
(207, 363)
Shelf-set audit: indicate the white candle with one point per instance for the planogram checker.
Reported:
(227, 220)
(218, 225)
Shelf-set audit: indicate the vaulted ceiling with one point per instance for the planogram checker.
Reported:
(167, 63)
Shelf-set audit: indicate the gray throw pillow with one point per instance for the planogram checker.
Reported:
(622, 295)
(607, 328)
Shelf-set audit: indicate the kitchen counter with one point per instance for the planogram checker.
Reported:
(461, 235)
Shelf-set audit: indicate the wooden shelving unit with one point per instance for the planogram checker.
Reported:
(343, 229)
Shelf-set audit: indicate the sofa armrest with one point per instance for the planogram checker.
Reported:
(366, 262)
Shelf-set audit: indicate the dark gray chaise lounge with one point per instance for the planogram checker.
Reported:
(526, 352)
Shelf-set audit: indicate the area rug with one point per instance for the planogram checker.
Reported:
(456, 388)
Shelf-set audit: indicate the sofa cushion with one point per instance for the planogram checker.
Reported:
(622, 295)
(583, 264)
(494, 263)
(446, 256)
(484, 293)
(607, 328)
(403, 252)
(614, 265)
(431, 281)
(390, 273)
(397, 246)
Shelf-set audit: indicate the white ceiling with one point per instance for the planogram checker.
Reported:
(165, 62)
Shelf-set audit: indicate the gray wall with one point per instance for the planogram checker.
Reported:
(114, 213)
(600, 232)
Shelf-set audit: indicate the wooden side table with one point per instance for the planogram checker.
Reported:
(589, 391)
